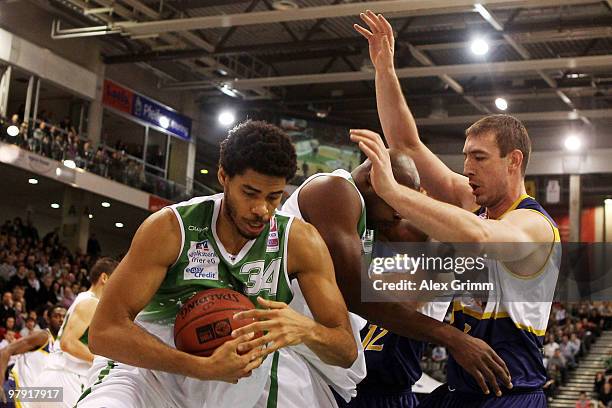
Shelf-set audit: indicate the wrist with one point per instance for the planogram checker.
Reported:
(312, 334)
(198, 367)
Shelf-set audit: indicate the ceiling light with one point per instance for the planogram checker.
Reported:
(164, 122)
(33, 181)
(227, 118)
(55, 205)
(479, 46)
(90, 216)
(12, 130)
(70, 164)
(284, 5)
(573, 143)
(203, 171)
(105, 204)
(501, 104)
(119, 224)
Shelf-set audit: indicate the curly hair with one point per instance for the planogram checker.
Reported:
(259, 146)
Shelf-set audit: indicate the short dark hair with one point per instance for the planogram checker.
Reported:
(510, 134)
(51, 309)
(259, 146)
(102, 265)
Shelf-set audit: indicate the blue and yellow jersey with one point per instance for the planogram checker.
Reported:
(514, 329)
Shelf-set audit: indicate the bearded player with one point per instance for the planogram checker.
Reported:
(249, 247)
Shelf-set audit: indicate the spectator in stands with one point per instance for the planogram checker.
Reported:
(605, 395)
(57, 149)
(20, 315)
(558, 360)
(550, 346)
(38, 135)
(6, 310)
(29, 328)
(569, 351)
(583, 401)
(600, 380)
(7, 268)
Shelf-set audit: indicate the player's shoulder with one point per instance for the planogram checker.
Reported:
(332, 198)
(535, 223)
(331, 185)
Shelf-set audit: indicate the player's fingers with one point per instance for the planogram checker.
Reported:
(371, 24)
(374, 19)
(271, 304)
(240, 339)
(363, 31)
(388, 30)
(371, 145)
(258, 314)
(491, 379)
(253, 344)
(481, 381)
(254, 364)
(260, 326)
(501, 370)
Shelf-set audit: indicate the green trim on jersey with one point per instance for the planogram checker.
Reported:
(273, 396)
(258, 270)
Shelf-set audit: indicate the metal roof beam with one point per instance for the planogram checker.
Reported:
(422, 7)
(486, 68)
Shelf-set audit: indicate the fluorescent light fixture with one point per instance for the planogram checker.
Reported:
(12, 130)
(33, 181)
(573, 143)
(203, 171)
(501, 104)
(105, 204)
(119, 224)
(164, 122)
(479, 46)
(227, 118)
(55, 205)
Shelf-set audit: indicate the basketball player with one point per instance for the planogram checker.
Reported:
(70, 359)
(496, 153)
(232, 240)
(31, 352)
(341, 206)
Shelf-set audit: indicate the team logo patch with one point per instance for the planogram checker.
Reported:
(203, 262)
(272, 245)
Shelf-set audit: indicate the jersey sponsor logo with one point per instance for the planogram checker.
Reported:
(197, 229)
(203, 262)
(272, 245)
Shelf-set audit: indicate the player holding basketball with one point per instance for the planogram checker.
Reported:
(31, 353)
(231, 240)
(496, 153)
(70, 359)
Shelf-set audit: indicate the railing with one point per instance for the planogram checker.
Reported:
(102, 160)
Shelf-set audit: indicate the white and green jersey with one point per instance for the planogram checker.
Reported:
(60, 360)
(259, 269)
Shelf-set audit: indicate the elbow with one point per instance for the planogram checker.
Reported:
(350, 357)
(480, 236)
(97, 338)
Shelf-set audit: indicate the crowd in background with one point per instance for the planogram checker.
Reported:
(36, 273)
(61, 142)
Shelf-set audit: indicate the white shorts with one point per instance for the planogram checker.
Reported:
(123, 386)
(72, 385)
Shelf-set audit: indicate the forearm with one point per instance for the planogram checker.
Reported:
(432, 216)
(130, 344)
(77, 349)
(28, 343)
(396, 119)
(334, 346)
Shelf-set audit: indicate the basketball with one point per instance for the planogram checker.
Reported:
(205, 321)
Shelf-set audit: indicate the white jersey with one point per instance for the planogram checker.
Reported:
(60, 360)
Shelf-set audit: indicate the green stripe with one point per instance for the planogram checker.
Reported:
(273, 395)
(103, 373)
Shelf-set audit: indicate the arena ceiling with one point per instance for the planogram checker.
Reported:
(551, 60)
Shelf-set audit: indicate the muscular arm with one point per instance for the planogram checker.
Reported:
(113, 332)
(398, 124)
(28, 343)
(78, 322)
(331, 337)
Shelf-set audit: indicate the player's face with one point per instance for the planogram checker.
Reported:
(487, 172)
(251, 199)
(57, 319)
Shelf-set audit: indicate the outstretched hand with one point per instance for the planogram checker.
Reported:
(381, 174)
(380, 38)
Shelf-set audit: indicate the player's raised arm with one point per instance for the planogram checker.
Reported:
(398, 123)
(114, 334)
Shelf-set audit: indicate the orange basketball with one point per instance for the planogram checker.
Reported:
(205, 321)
